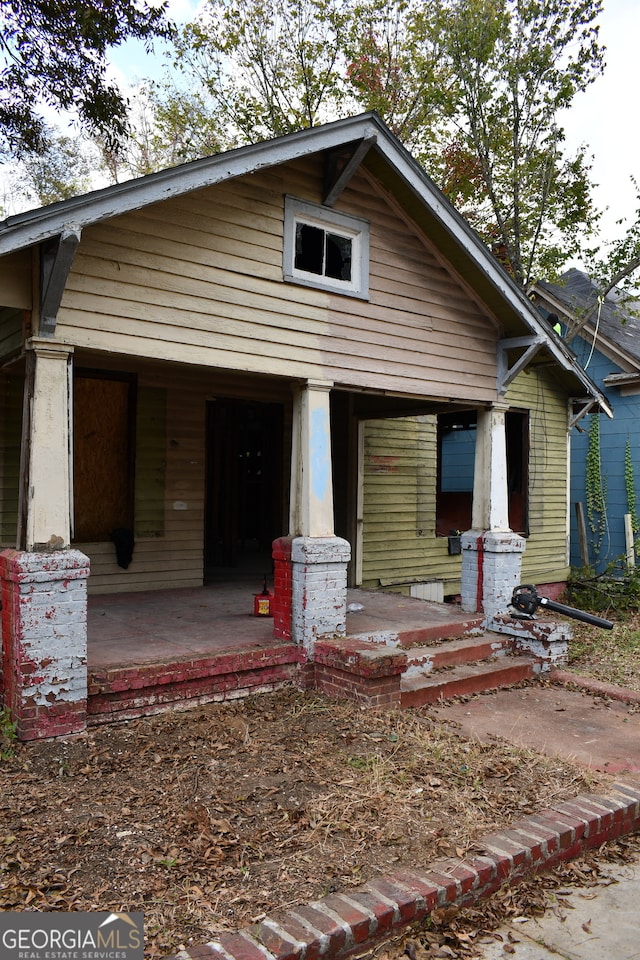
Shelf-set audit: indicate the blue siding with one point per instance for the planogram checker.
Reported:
(457, 461)
(613, 439)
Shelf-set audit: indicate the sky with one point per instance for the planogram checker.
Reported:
(605, 117)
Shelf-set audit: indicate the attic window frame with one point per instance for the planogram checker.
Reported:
(301, 212)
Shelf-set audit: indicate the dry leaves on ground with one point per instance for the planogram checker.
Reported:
(209, 818)
(612, 656)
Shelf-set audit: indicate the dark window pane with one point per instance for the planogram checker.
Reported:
(309, 249)
(338, 263)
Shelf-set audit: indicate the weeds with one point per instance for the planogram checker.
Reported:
(616, 589)
(610, 656)
(8, 734)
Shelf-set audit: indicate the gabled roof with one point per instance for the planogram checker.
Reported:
(613, 328)
(370, 142)
(615, 323)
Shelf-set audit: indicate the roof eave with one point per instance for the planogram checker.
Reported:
(459, 243)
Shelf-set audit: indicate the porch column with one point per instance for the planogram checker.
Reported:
(491, 552)
(318, 559)
(45, 507)
(44, 582)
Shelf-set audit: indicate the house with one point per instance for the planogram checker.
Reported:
(605, 452)
(296, 350)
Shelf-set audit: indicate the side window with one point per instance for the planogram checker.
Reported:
(103, 454)
(326, 249)
(456, 458)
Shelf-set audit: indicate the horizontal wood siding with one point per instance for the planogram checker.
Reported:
(11, 394)
(199, 280)
(12, 332)
(151, 461)
(16, 279)
(545, 558)
(399, 542)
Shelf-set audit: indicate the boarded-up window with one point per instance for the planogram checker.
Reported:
(103, 468)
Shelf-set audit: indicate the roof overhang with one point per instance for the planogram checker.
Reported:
(366, 140)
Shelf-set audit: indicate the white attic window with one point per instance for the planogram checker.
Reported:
(325, 249)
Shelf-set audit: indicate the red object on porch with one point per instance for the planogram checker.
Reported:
(262, 602)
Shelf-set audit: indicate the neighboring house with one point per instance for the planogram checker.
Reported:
(298, 342)
(608, 349)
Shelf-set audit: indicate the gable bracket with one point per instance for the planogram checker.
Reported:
(586, 406)
(338, 173)
(56, 260)
(506, 374)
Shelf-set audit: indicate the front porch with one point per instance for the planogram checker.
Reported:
(157, 650)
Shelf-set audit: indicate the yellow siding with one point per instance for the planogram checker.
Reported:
(10, 443)
(399, 542)
(199, 280)
(545, 559)
(15, 280)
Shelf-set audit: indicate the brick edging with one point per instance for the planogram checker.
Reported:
(599, 687)
(355, 920)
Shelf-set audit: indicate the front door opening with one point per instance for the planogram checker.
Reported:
(245, 503)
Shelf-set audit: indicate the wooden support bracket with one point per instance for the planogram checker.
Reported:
(56, 263)
(340, 171)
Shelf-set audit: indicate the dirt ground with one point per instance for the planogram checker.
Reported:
(207, 819)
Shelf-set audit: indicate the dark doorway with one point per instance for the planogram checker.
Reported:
(244, 504)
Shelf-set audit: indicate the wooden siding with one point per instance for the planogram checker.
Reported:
(15, 280)
(399, 542)
(11, 440)
(151, 461)
(199, 280)
(12, 331)
(545, 558)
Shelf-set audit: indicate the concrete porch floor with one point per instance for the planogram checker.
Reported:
(165, 625)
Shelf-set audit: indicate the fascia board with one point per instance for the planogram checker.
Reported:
(24, 230)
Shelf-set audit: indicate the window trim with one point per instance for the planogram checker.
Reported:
(355, 228)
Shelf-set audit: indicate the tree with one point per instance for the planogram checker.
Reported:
(268, 67)
(613, 268)
(61, 170)
(54, 55)
(397, 67)
(166, 127)
(517, 64)
(474, 88)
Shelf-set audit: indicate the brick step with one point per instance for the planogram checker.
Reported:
(125, 692)
(366, 659)
(453, 653)
(418, 689)
(409, 636)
